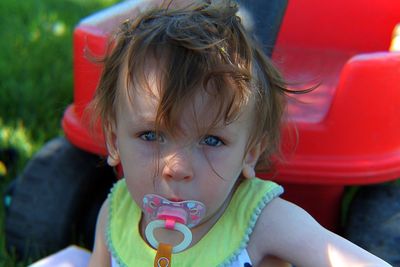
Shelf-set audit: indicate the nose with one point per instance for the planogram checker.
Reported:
(178, 165)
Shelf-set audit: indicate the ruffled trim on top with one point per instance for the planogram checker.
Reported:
(109, 241)
(275, 192)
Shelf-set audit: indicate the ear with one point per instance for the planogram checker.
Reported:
(251, 159)
(113, 158)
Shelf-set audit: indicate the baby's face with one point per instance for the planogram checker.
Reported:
(191, 164)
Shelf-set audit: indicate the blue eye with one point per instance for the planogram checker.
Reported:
(211, 140)
(151, 136)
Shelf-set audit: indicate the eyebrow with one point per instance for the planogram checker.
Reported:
(140, 119)
(143, 120)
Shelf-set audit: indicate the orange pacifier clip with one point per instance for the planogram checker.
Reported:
(170, 215)
(163, 256)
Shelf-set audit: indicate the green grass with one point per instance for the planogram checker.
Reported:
(35, 78)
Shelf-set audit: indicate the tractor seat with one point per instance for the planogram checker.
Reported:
(348, 128)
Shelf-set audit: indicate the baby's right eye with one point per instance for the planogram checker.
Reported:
(211, 140)
(151, 136)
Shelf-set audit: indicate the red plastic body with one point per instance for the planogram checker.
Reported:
(348, 128)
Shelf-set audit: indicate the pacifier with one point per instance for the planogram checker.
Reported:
(171, 215)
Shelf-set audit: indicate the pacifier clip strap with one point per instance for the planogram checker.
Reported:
(163, 256)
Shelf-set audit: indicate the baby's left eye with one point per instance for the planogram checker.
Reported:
(211, 140)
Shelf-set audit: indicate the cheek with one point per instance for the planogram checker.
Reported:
(139, 168)
(139, 179)
(135, 155)
(227, 164)
(137, 191)
(215, 194)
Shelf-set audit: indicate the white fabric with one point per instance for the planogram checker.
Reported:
(242, 259)
(70, 256)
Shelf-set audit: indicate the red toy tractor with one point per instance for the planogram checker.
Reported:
(347, 131)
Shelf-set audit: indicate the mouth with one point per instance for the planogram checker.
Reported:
(155, 206)
(175, 199)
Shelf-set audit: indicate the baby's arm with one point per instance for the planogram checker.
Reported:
(100, 256)
(288, 232)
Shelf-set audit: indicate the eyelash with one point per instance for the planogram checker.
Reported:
(208, 140)
(150, 136)
(218, 140)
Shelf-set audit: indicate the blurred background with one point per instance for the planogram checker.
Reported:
(35, 81)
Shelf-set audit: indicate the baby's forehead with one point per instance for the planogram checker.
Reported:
(146, 99)
(151, 95)
(208, 103)
(150, 81)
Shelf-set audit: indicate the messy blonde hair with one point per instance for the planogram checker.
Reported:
(205, 47)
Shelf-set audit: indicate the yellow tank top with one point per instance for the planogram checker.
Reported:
(219, 247)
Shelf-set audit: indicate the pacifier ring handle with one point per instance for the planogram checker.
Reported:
(187, 235)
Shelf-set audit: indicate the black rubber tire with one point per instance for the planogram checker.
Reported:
(374, 221)
(7, 195)
(56, 199)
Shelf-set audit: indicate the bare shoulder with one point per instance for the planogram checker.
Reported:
(275, 228)
(288, 232)
(103, 216)
(100, 255)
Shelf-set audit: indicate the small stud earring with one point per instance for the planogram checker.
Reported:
(113, 160)
(248, 172)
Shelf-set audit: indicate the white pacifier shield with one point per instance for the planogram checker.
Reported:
(187, 235)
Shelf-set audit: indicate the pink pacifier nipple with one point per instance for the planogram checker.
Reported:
(179, 216)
